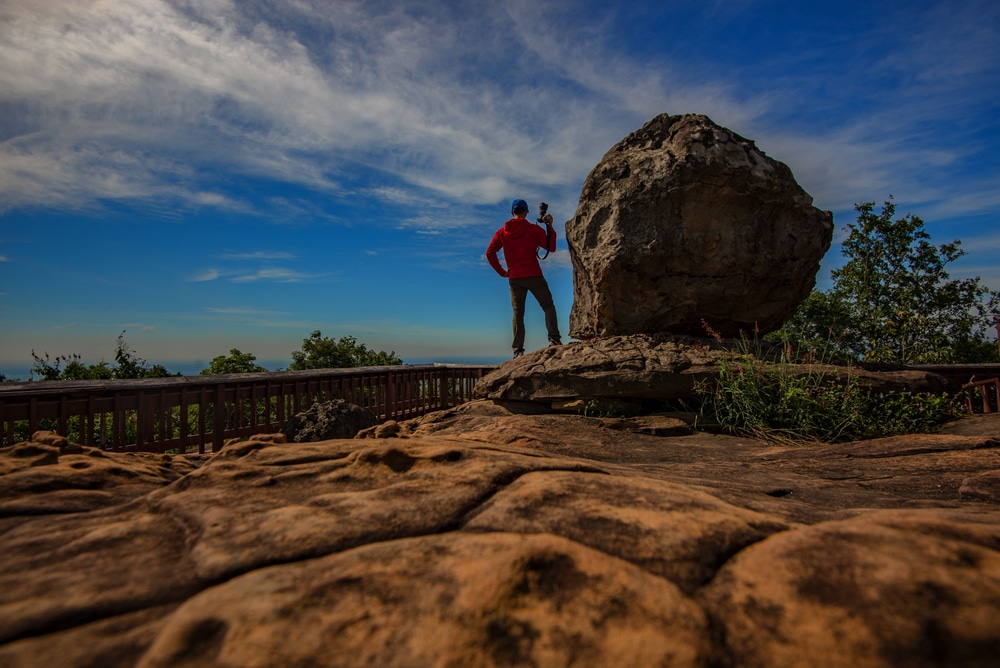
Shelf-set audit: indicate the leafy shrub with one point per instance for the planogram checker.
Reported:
(784, 401)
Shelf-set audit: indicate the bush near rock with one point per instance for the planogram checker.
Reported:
(331, 419)
(684, 221)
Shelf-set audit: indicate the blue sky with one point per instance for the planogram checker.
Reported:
(211, 174)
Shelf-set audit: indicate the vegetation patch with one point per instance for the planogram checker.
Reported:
(785, 401)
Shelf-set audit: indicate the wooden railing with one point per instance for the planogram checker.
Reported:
(976, 381)
(979, 398)
(199, 413)
(961, 374)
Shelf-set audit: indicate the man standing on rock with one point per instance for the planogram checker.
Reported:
(520, 241)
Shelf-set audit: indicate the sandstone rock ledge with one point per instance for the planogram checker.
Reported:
(482, 536)
(639, 368)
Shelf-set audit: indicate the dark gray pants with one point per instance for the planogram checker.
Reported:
(539, 288)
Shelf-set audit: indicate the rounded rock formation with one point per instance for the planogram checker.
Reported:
(685, 221)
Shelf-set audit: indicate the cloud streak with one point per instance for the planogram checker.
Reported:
(259, 255)
(134, 95)
(275, 275)
(163, 101)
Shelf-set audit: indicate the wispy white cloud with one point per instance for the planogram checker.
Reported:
(559, 260)
(135, 93)
(207, 275)
(982, 243)
(276, 275)
(237, 271)
(299, 325)
(150, 99)
(272, 274)
(259, 255)
(238, 311)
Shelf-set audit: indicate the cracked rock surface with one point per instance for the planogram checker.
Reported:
(491, 535)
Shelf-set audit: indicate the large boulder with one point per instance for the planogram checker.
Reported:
(685, 221)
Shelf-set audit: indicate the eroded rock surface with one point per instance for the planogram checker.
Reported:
(496, 534)
(684, 221)
(634, 368)
(50, 476)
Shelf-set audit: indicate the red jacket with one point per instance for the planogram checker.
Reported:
(520, 241)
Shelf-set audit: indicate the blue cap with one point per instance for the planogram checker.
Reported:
(518, 205)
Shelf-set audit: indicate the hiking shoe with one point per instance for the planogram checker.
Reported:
(518, 352)
(555, 342)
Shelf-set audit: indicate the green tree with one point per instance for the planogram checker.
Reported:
(319, 352)
(127, 365)
(816, 326)
(130, 365)
(48, 368)
(894, 301)
(77, 370)
(237, 362)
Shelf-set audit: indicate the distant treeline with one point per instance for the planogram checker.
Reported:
(317, 352)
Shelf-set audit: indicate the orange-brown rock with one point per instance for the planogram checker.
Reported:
(639, 368)
(685, 221)
(495, 534)
(48, 475)
(891, 588)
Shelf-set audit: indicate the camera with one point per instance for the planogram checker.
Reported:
(543, 210)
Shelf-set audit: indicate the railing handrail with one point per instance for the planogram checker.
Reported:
(176, 412)
(48, 387)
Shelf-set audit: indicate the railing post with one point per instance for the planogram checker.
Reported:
(87, 423)
(32, 416)
(219, 428)
(63, 422)
(445, 392)
(281, 403)
(253, 408)
(140, 427)
(183, 418)
(390, 395)
(165, 421)
(202, 409)
(118, 424)
(6, 432)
